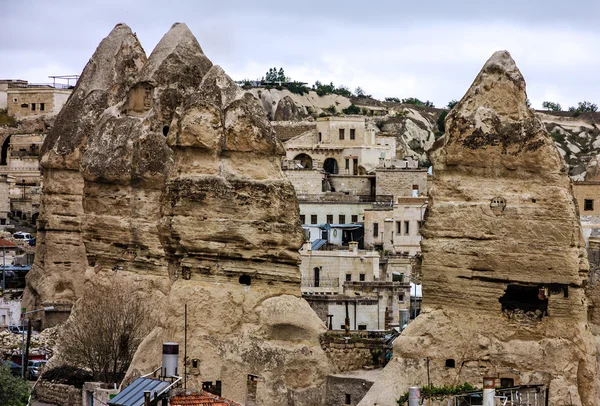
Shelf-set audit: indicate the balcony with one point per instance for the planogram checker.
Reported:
(320, 283)
(378, 200)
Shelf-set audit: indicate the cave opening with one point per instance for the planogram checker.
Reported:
(522, 299)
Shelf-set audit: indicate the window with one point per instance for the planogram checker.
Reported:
(342, 219)
(362, 277)
(42, 106)
(348, 397)
(330, 219)
(320, 138)
(588, 205)
(313, 219)
(375, 229)
(355, 218)
(362, 326)
(399, 227)
(348, 277)
(24, 105)
(302, 219)
(407, 228)
(401, 297)
(32, 106)
(450, 363)
(245, 280)
(341, 133)
(352, 133)
(347, 163)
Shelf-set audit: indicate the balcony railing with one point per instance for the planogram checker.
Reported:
(378, 200)
(320, 283)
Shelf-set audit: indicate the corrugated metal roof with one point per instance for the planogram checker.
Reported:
(316, 244)
(200, 398)
(133, 395)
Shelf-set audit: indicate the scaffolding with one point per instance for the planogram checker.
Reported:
(523, 395)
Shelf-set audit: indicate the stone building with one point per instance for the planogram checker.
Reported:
(342, 145)
(587, 195)
(376, 290)
(25, 100)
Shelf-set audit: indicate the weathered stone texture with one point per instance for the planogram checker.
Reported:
(164, 172)
(501, 214)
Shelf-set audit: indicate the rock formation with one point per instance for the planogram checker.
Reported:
(504, 266)
(162, 171)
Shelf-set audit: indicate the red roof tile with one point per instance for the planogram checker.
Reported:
(200, 398)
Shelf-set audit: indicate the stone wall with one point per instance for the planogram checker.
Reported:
(341, 389)
(58, 394)
(306, 181)
(354, 353)
(356, 185)
(399, 182)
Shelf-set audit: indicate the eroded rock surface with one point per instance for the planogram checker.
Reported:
(162, 171)
(504, 266)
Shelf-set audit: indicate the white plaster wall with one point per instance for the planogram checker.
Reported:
(10, 312)
(365, 314)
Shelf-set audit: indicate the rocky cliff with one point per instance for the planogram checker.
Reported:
(161, 171)
(504, 267)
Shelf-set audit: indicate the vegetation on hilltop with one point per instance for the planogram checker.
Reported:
(5, 119)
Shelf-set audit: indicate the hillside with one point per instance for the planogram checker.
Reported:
(415, 127)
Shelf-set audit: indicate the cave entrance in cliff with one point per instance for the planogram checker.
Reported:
(331, 166)
(305, 161)
(525, 300)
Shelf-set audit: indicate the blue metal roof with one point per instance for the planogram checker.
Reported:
(316, 244)
(133, 395)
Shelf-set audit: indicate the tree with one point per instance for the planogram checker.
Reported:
(584, 107)
(551, 106)
(105, 329)
(273, 75)
(14, 391)
(359, 92)
(441, 121)
(417, 102)
(392, 99)
(451, 104)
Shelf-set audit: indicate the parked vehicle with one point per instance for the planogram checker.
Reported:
(35, 368)
(15, 329)
(22, 236)
(15, 369)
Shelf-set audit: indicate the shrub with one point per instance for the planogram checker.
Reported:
(68, 375)
(5, 119)
(439, 392)
(352, 109)
(14, 391)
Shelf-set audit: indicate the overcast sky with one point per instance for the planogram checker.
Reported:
(426, 49)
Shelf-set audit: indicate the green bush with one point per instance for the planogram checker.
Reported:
(331, 109)
(297, 88)
(14, 391)
(439, 392)
(352, 109)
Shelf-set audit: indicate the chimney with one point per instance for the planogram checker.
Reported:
(170, 360)
(353, 246)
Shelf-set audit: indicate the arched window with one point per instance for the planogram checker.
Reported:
(305, 161)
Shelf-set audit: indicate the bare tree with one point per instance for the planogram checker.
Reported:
(105, 329)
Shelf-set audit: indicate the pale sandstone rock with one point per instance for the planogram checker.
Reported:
(496, 149)
(172, 180)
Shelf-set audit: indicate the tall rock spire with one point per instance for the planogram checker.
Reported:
(504, 265)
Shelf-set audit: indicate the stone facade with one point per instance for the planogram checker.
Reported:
(401, 182)
(345, 390)
(587, 196)
(34, 101)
